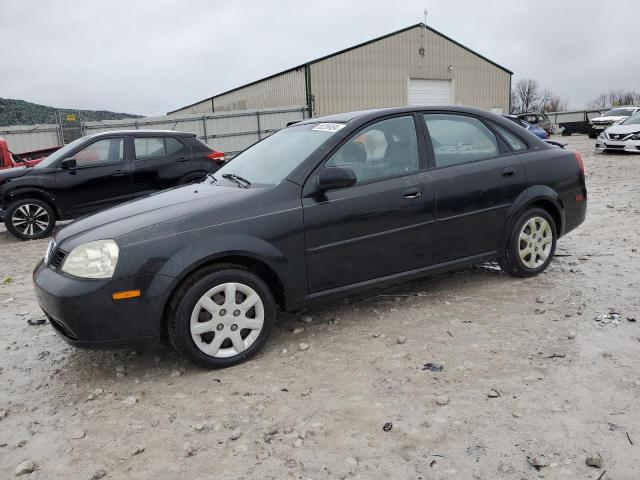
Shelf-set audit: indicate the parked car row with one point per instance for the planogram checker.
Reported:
(323, 207)
(623, 136)
(614, 116)
(99, 171)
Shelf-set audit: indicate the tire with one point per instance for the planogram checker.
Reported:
(521, 259)
(216, 343)
(29, 219)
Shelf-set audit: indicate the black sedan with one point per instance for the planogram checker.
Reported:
(99, 171)
(322, 207)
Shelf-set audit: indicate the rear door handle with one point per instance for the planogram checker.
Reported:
(184, 159)
(118, 173)
(508, 172)
(412, 192)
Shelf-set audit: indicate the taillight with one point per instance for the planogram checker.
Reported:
(216, 156)
(580, 161)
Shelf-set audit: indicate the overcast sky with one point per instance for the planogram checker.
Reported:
(152, 56)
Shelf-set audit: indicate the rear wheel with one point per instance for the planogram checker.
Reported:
(222, 316)
(531, 244)
(29, 219)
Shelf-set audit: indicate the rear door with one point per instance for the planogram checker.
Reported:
(100, 179)
(476, 177)
(382, 225)
(159, 162)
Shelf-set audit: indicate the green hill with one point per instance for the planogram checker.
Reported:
(19, 112)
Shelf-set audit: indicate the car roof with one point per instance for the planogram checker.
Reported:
(144, 132)
(364, 115)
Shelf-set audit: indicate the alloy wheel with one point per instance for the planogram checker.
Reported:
(227, 320)
(535, 242)
(30, 219)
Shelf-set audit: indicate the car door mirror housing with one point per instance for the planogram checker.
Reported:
(68, 163)
(336, 177)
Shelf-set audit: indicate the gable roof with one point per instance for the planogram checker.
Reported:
(339, 52)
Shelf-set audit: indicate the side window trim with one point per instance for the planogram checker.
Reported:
(422, 166)
(503, 147)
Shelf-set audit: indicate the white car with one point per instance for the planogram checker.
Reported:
(612, 117)
(622, 137)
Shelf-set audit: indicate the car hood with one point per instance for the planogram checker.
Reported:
(609, 119)
(154, 209)
(623, 129)
(14, 172)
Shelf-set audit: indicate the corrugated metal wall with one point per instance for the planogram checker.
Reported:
(230, 132)
(284, 90)
(376, 74)
(27, 138)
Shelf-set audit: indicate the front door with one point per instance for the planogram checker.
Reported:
(476, 178)
(382, 225)
(100, 179)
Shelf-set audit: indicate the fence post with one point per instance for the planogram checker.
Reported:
(258, 120)
(204, 128)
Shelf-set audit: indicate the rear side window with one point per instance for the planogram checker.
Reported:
(516, 144)
(172, 145)
(460, 139)
(149, 147)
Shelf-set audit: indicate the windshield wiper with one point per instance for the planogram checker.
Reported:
(243, 182)
(212, 177)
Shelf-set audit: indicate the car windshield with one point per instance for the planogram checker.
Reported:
(619, 112)
(270, 161)
(632, 120)
(58, 154)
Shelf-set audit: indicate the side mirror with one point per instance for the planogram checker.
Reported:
(336, 177)
(68, 163)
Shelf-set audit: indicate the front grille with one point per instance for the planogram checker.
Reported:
(602, 122)
(57, 258)
(615, 146)
(617, 136)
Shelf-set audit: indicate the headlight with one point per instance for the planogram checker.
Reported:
(92, 260)
(601, 136)
(636, 137)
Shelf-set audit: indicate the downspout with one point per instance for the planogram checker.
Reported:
(307, 87)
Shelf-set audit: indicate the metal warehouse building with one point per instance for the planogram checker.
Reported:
(413, 66)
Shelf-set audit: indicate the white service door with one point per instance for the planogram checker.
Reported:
(430, 92)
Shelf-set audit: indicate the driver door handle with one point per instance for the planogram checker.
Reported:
(508, 172)
(412, 192)
(118, 173)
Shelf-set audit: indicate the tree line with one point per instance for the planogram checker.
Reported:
(528, 96)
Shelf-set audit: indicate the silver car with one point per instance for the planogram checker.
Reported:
(621, 137)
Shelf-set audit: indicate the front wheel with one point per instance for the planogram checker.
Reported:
(29, 219)
(530, 245)
(222, 316)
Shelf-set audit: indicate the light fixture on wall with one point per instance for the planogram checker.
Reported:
(450, 68)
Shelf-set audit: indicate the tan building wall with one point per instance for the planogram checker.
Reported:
(377, 74)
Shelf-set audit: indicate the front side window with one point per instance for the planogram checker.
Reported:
(149, 147)
(108, 150)
(384, 149)
(460, 139)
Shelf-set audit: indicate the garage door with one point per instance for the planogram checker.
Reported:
(430, 92)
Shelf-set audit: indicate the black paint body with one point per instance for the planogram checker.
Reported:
(310, 243)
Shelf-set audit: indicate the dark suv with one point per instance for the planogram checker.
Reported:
(99, 171)
(320, 208)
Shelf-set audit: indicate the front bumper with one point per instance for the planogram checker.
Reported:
(83, 312)
(603, 144)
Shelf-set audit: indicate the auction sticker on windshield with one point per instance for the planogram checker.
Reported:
(329, 127)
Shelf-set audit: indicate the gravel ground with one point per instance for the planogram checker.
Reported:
(529, 377)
